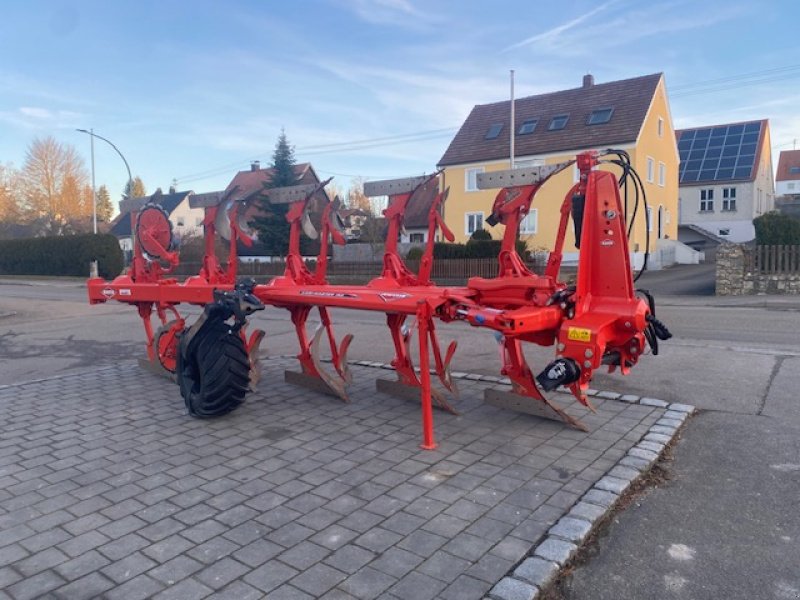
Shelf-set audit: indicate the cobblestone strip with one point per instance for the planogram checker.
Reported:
(565, 537)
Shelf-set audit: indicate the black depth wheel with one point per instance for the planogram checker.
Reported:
(214, 374)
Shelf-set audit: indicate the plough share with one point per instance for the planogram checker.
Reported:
(600, 320)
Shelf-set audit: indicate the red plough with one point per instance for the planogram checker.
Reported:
(601, 320)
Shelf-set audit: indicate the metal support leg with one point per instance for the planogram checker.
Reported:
(424, 318)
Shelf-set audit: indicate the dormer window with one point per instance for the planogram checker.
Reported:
(528, 126)
(494, 131)
(558, 122)
(600, 116)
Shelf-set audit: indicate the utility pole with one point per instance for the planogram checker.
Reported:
(94, 190)
(511, 129)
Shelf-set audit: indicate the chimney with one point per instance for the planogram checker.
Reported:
(588, 80)
(255, 165)
(172, 189)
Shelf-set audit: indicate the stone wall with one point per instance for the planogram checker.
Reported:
(736, 277)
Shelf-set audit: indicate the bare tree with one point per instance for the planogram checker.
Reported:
(54, 179)
(10, 194)
(356, 197)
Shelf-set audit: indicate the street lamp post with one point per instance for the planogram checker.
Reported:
(92, 134)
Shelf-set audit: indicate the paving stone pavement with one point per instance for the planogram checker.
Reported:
(109, 490)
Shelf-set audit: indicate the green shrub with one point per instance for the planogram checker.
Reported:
(415, 253)
(474, 249)
(61, 255)
(773, 229)
(480, 235)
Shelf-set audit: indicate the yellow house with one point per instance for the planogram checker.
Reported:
(631, 114)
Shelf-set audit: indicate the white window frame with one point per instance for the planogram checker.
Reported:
(649, 216)
(729, 199)
(662, 174)
(180, 221)
(526, 163)
(472, 174)
(651, 169)
(532, 218)
(198, 221)
(467, 219)
(660, 127)
(707, 200)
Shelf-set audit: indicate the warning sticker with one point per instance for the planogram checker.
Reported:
(579, 334)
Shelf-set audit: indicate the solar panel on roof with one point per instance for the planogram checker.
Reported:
(718, 153)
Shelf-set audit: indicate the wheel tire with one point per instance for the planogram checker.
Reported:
(214, 372)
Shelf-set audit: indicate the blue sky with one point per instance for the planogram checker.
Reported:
(195, 90)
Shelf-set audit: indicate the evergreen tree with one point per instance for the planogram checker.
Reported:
(104, 207)
(137, 190)
(272, 226)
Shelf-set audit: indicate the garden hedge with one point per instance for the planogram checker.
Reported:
(61, 255)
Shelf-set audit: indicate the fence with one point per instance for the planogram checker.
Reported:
(444, 272)
(774, 260)
(757, 270)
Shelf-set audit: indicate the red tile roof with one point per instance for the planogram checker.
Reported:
(789, 159)
(630, 99)
(250, 183)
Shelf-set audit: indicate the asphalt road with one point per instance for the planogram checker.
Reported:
(723, 526)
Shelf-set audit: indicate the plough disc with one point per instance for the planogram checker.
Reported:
(166, 345)
(154, 231)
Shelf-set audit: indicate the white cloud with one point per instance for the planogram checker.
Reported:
(400, 13)
(37, 117)
(552, 35)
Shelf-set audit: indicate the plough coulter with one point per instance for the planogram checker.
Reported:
(600, 320)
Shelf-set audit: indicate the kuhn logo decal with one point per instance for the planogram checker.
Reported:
(389, 296)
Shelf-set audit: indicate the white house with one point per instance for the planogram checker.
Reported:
(725, 181)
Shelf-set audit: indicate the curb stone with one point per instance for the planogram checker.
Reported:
(593, 506)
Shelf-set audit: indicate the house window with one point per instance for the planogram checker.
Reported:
(180, 222)
(472, 222)
(600, 116)
(416, 238)
(651, 167)
(794, 170)
(558, 122)
(662, 173)
(660, 127)
(529, 223)
(198, 221)
(724, 231)
(729, 199)
(706, 200)
(527, 163)
(494, 131)
(471, 179)
(528, 126)
(790, 185)
(649, 219)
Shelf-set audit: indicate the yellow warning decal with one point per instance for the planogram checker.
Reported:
(579, 334)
